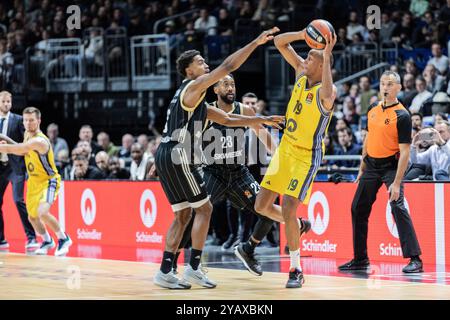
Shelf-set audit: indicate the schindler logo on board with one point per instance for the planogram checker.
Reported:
(148, 212)
(88, 208)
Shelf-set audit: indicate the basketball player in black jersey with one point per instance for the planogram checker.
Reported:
(177, 157)
(226, 175)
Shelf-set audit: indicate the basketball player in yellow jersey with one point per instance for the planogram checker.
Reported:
(298, 157)
(43, 182)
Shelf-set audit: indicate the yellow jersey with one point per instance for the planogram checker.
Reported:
(306, 119)
(40, 166)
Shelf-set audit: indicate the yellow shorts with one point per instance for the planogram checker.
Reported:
(41, 191)
(292, 171)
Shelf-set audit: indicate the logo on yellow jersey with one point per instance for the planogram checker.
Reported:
(309, 97)
(291, 125)
(30, 167)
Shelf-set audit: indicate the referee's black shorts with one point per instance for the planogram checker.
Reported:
(234, 183)
(182, 181)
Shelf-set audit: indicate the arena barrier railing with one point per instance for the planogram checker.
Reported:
(150, 62)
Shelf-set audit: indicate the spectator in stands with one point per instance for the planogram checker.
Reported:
(347, 147)
(440, 61)
(354, 27)
(418, 7)
(329, 150)
(115, 171)
(6, 61)
(440, 103)
(404, 31)
(83, 171)
(143, 140)
(366, 92)
(417, 121)
(246, 11)
(58, 143)
(350, 113)
(225, 24)
(125, 150)
(206, 23)
(136, 28)
(387, 27)
(86, 151)
(422, 96)
(140, 166)
(409, 92)
(438, 155)
(410, 67)
(438, 118)
(62, 162)
(86, 134)
(102, 162)
(342, 37)
(434, 81)
(444, 14)
(105, 143)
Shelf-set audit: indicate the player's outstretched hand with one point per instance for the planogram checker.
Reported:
(267, 36)
(273, 121)
(330, 42)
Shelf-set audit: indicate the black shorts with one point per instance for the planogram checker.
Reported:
(235, 183)
(182, 182)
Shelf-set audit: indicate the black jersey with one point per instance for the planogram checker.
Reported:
(184, 125)
(224, 145)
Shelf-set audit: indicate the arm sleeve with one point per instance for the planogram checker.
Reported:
(404, 126)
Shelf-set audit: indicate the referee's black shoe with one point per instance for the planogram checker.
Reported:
(248, 259)
(415, 265)
(296, 279)
(355, 265)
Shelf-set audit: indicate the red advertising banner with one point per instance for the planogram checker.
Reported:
(329, 211)
(127, 214)
(129, 220)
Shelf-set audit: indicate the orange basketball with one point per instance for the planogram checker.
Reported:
(316, 32)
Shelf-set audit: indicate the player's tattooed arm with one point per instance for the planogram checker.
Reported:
(22, 149)
(233, 62)
(233, 120)
(283, 44)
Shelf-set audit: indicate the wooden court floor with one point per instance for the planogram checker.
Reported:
(33, 277)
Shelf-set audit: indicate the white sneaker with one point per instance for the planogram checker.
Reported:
(32, 244)
(63, 246)
(45, 246)
(198, 277)
(169, 281)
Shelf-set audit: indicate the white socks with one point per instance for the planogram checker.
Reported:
(61, 234)
(295, 259)
(46, 237)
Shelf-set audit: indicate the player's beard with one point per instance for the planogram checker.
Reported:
(226, 99)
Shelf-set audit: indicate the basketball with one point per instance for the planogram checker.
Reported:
(316, 32)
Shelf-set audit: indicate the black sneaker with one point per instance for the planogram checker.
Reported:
(296, 279)
(4, 245)
(231, 242)
(305, 226)
(355, 265)
(414, 266)
(249, 260)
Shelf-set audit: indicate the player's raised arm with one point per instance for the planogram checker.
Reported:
(21, 149)
(328, 90)
(283, 44)
(199, 85)
(221, 117)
